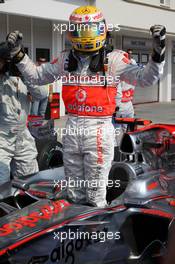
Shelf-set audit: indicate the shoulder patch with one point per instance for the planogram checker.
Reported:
(115, 51)
(125, 58)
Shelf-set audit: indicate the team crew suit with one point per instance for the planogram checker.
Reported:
(17, 146)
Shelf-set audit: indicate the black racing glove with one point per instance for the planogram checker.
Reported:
(158, 34)
(14, 43)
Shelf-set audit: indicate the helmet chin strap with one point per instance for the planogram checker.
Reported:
(98, 59)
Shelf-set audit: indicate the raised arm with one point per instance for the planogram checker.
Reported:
(39, 75)
(142, 76)
(36, 75)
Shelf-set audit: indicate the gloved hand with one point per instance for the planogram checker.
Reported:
(14, 43)
(158, 34)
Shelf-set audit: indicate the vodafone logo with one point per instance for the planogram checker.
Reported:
(45, 212)
(128, 93)
(81, 95)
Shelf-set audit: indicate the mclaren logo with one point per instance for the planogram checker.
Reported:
(81, 95)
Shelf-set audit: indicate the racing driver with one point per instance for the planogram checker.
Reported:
(89, 90)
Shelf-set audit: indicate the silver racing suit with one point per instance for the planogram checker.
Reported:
(125, 93)
(124, 98)
(89, 139)
(17, 146)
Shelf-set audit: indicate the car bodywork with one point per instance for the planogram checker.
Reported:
(50, 153)
(37, 226)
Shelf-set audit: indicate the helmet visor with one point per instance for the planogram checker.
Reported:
(87, 30)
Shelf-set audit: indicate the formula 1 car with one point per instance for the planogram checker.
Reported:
(50, 154)
(36, 226)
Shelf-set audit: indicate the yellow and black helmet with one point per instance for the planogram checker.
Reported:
(87, 29)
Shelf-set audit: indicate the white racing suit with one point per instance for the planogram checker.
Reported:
(88, 153)
(124, 98)
(124, 101)
(125, 94)
(16, 143)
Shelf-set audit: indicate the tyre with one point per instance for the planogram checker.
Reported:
(50, 154)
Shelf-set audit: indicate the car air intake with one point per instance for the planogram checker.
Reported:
(126, 145)
(119, 176)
